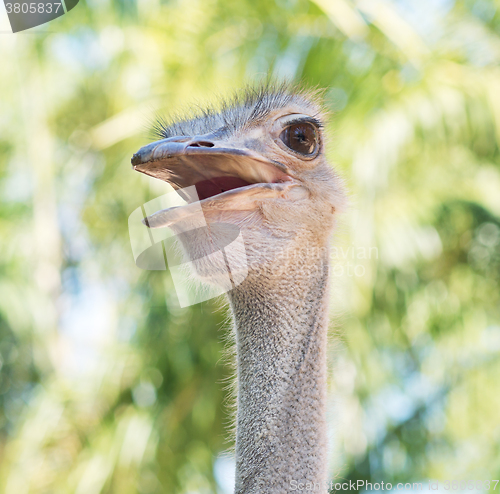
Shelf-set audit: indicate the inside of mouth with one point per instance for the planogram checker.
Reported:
(214, 186)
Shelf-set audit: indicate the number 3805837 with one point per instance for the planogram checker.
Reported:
(32, 8)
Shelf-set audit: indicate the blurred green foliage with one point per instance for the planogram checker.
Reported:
(105, 385)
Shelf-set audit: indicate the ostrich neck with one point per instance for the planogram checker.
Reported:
(281, 324)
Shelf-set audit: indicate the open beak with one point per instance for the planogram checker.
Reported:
(224, 176)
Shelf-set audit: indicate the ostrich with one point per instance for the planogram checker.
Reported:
(258, 166)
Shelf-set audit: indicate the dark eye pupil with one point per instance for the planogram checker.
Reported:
(301, 138)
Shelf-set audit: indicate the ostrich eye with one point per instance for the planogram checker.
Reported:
(301, 138)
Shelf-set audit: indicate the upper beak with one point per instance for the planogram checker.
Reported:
(186, 161)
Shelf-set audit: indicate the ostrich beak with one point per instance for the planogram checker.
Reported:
(224, 176)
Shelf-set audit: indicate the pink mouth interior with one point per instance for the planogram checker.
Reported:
(214, 186)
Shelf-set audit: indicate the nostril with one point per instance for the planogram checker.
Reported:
(201, 144)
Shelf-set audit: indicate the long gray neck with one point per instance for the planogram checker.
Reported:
(281, 324)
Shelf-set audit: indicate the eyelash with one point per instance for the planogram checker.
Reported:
(313, 121)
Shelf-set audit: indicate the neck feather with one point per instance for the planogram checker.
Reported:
(281, 324)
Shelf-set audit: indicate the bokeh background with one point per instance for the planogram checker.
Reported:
(106, 385)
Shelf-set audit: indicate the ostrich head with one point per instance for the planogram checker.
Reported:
(257, 169)
(256, 166)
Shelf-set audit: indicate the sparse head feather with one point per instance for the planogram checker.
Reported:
(245, 107)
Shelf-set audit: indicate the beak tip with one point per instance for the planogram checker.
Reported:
(136, 160)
